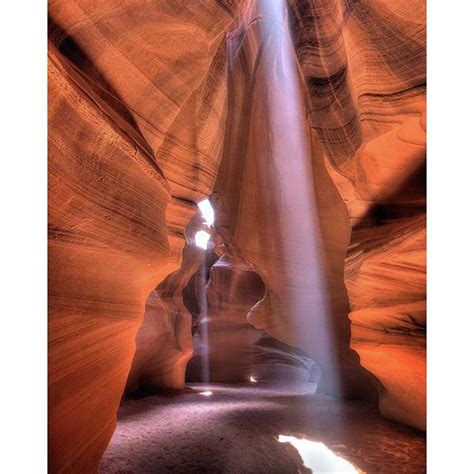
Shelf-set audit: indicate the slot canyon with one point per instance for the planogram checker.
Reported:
(236, 236)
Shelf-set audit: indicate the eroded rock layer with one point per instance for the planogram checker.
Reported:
(364, 69)
(279, 210)
(136, 102)
(316, 120)
(227, 348)
(164, 341)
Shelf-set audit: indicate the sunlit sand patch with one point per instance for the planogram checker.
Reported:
(318, 457)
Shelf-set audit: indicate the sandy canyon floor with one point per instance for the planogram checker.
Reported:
(236, 429)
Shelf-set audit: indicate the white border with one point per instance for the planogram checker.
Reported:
(23, 242)
(450, 237)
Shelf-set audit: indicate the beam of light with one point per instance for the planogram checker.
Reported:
(203, 321)
(253, 379)
(207, 212)
(202, 238)
(318, 457)
(305, 293)
(207, 393)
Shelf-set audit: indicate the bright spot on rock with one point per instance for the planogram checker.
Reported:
(317, 456)
(207, 393)
(207, 212)
(253, 379)
(202, 238)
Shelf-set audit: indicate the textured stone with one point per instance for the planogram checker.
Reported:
(226, 342)
(164, 341)
(126, 83)
(107, 248)
(364, 67)
(365, 103)
(279, 211)
(151, 103)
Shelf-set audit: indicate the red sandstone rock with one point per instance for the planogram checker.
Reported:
(164, 341)
(126, 81)
(382, 181)
(138, 109)
(369, 110)
(377, 164)
(279, 210)
(235, 350)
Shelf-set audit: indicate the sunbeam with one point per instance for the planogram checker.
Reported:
(303, 286)
(202, 238)
(207, 212)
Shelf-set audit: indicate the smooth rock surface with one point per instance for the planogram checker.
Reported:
(153, 106)
(128, 160)
(227, 346)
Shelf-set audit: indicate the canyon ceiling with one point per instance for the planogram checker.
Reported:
(155, 106)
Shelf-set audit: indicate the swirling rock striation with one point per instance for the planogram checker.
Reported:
(136, 99)
(279, 210)
(164, 341)
(151, 103)
(365, 74)
(226, 342)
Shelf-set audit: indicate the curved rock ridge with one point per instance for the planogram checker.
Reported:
(312, 125)
(365, 104)
(365, 75)
(164, 341)
(99, 247)
(133, 86)
(279, 211)
(386, 281)
(364, 67)
(225, 340)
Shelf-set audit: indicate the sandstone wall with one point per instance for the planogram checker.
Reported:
(365, 75)
(226, 342)
(146, 101)
(136, 102)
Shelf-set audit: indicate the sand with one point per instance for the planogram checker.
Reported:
(236, 429)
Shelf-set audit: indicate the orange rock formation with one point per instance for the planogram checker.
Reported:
(236, 350)
(154, 106)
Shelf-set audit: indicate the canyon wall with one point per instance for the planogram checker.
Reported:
(227, 348)
(137, 96)
(153, 106)
(164, 341)
(364, 67)
(279, 210)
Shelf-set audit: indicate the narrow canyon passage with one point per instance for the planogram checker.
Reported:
(301, 126)
(236, 429)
